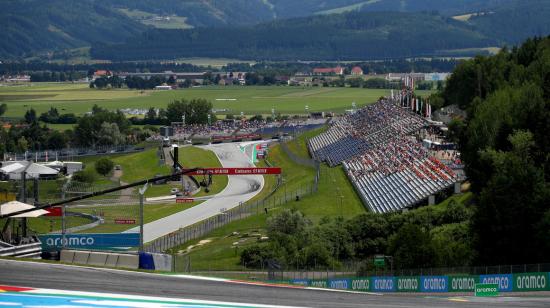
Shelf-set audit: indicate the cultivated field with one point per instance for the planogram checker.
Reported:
(79, 99)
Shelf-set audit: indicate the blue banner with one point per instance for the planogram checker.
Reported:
(504, 281)
(89, 241)
(434, 284)
(383, 284)
(341, 284)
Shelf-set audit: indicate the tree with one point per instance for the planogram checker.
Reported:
(104, 165)
(411, 247)
(22, 144)
(109, 134)
(356, 82)
(511, 205)
(196, 111)
(3, 109)
(57, 140)
(30, 116)
(288, 222)
(84, 176)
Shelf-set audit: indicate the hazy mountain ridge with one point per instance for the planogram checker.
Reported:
(36, 26)
(351, 36)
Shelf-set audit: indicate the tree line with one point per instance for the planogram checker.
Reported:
(100, 127)
(505, 144)
(426, 237)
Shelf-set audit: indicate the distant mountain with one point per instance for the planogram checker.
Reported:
(351, 36)
(512, 24)
(443, 7)
(31, 27)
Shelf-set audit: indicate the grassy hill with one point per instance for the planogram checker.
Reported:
(32, 26)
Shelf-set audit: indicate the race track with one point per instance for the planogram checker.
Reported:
(73, 278)
(239, 189)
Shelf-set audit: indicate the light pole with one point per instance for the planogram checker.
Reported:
(141, 193)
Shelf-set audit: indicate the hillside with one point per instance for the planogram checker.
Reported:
(444, 7)
(351, 36)
(30, 26)
(514, 23)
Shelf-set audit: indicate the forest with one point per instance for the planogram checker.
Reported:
(351, 36)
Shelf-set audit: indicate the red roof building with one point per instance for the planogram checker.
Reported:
(102, 73)
(328, 71)
(356, 71)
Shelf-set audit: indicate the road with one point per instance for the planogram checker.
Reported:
(56, 276)
(239, 189)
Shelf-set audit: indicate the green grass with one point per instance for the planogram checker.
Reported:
(151, 213)
(60, 127)
(135, 166)
(174, 22)
(46, 224)
(298, 146)
(191, 157)
(79, 99)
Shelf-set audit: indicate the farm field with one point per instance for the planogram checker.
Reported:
(79, 99)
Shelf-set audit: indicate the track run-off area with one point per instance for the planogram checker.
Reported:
(240, 188)
(118, 288)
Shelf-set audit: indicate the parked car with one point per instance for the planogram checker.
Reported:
(174, 191)
(118, 167)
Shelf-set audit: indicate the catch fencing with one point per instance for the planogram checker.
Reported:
(244, 210)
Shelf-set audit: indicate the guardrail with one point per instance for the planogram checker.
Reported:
(32, 250)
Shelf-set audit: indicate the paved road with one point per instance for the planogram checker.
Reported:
(55, 276)
(239, 189)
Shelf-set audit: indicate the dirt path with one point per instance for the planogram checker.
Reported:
(125, 194)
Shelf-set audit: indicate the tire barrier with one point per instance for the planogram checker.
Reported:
(523, 282)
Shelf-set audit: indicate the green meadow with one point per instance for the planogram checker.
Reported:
(250, 100)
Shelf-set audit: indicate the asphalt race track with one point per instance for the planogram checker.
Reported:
(240, 188)
(55, 276)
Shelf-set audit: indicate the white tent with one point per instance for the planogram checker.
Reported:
(35, 170)
(16, 206)
(12, 168)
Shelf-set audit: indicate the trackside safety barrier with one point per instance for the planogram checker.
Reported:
(130, 261)
(537, 281)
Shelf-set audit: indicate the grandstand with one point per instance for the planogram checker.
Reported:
(354, 133)
(383, 150)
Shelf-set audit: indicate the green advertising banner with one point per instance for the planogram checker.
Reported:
(318, 284)
(486, 289)
(408, 284)
(464, 283)
(360, 284)
(531, 282)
